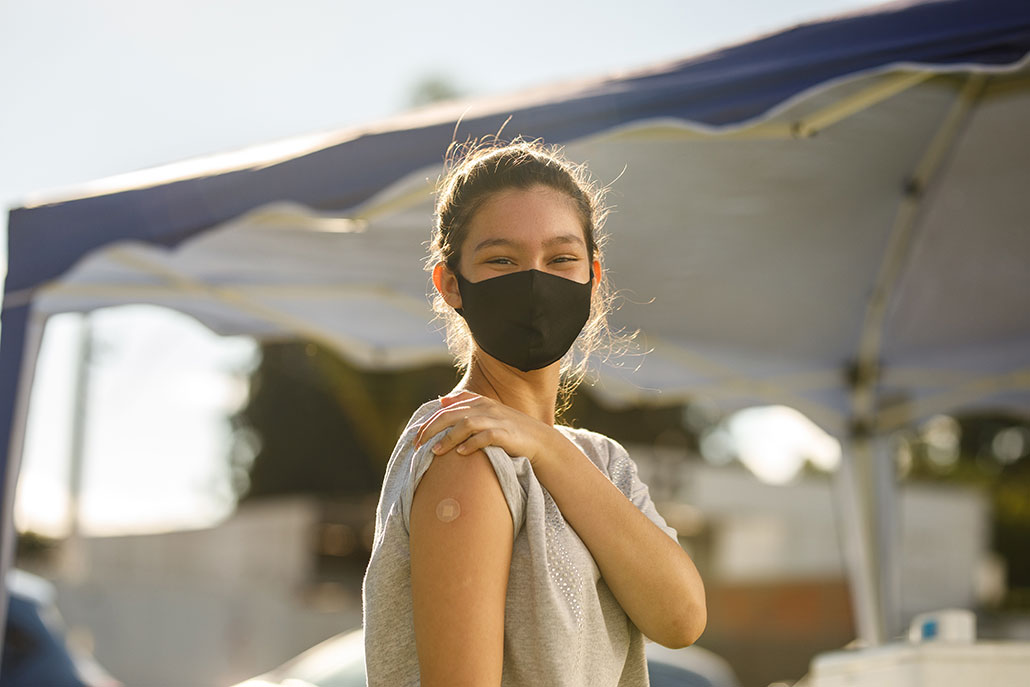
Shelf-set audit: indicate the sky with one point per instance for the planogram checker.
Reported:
(94, 88)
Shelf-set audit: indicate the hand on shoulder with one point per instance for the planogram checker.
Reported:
(477, 422)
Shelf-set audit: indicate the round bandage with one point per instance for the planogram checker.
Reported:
(448, 510)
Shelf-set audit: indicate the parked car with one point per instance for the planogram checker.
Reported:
(35, 652)
(340, 662)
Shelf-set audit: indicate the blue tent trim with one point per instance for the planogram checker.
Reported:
(718, 89)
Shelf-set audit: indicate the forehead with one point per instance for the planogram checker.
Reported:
(535, 214)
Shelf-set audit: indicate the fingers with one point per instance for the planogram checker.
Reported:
(453, 398)
(460, 431)
(461, 400)
(421, 436)
(441, 420)
(472, 423)
(478, 441)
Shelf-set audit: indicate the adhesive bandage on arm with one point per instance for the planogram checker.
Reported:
(448, 510)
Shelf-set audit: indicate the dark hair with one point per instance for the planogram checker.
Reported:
(476, 170)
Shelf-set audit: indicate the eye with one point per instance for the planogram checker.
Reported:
(500, 261)
(565, 258)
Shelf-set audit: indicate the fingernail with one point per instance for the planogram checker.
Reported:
(461, 448)
(437, 448)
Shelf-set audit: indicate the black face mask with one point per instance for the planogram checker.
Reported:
(527, 319)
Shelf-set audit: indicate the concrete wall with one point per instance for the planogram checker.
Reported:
(761, 533)
(205, 607)
(771, 558)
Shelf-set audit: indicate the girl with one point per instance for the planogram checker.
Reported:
(510, 550)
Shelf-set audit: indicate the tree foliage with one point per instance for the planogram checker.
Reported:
(991, 451)
(315, 424)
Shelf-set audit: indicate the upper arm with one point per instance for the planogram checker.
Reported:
(459, 572)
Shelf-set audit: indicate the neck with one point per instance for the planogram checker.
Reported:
(534, 393)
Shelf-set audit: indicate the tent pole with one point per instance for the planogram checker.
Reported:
(887, 511)
(855, 536)
(30, 353)
(869, 505)
(73, 561)
(876, 513)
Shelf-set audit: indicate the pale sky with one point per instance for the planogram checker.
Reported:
(94, 88)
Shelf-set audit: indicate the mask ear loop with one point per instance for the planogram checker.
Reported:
(475, 360)
(459, 278)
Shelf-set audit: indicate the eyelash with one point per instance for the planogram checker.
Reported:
(560, 258)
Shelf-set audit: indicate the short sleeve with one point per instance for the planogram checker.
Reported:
(622, 471)
(504, 469)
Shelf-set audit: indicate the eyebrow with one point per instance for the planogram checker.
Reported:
(564, 239)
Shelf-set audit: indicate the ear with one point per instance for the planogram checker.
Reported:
(447, 285)
(597, 276)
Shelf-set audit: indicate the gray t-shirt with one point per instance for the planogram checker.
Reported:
(562, 625)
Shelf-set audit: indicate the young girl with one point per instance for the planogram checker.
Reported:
(510, 550)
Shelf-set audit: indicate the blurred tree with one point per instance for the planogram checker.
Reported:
(315, 424)
(992, 451)
(433, 88)
(33, 546)
(648, 425)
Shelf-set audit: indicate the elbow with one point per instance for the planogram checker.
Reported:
(685, 626)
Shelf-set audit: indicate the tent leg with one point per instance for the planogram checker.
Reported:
(32, 342)
(887, 517)
(869, 522)
(855, 535)
(73, 562)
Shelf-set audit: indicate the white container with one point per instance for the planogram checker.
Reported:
(928, 664)
(949, 625)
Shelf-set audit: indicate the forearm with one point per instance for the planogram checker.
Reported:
(650, 574)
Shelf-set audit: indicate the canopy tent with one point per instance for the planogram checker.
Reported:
(831, 218)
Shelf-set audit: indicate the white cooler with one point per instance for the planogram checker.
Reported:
(942, 651)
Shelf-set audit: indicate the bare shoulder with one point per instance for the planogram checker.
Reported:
(462, 492)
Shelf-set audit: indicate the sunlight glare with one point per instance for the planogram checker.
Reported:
(774, 442)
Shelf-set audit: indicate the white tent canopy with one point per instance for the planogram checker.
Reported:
(786, 230)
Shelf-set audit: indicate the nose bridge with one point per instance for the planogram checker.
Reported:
(539, 265)
(537, 259)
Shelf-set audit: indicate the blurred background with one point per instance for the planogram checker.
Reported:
(212, 497)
